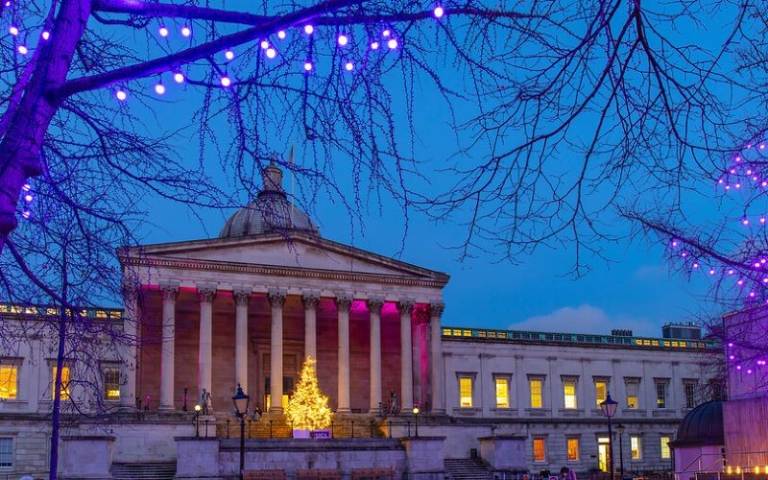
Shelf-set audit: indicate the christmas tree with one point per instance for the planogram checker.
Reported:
(308, 407)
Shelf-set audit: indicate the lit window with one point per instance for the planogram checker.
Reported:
(502, 392)
(65, 378)
(569, 394)
(635, 446)
(690, 394)
(111, 383)
(539, 449)
(6, 452)
(665, 452)
(661, 394)
(601, 391)
(633, 388)
(465, 392)
(572, 445)
(536, 386)
(9, 381)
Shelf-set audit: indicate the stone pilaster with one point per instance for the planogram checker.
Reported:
(131, 329)
(242, 297)
(205, 350)
(311, 300)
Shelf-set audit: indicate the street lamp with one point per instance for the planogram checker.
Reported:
(241, 409)
(198, 408)
(608, 406)
(620, 429)
(416, 419)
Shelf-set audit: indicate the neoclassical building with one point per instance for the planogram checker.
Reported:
(248, 306)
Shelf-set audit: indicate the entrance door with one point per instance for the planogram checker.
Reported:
(603, 450)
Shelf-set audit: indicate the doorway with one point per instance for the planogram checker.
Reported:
(603, 452)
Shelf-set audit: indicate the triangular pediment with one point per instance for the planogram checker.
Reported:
(295, 251)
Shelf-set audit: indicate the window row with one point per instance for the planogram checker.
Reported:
(9, 380)
(573, 451)
(600, 385)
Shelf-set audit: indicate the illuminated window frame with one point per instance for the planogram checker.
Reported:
(461, 379)
(632, 384)
(570, 398)
(15, 363)
(502, 378)
(111, 389)
(661, 392)
(606, 387)
(536, 399)
(573, 448)
(635, 447)
(666, 451)
(539, 449)
(66, 379)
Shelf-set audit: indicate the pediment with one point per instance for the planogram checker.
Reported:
(297, 251)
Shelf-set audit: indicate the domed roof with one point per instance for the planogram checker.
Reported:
(270, 212)
(702, 426)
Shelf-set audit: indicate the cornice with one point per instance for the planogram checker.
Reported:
(280, 271)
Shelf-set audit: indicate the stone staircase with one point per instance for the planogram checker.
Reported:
(144, 471)
(466, 469)
(272, 425)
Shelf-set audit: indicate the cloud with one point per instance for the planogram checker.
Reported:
(586, 319)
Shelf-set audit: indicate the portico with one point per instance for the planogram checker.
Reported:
(248, 306)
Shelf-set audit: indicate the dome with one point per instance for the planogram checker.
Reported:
(270, 212)
(701, 426)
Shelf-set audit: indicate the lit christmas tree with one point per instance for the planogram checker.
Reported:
(308, 407)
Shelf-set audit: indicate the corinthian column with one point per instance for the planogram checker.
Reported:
(406, 356)
(205, 350)
(167, 347)
(276, 300)
(436, 358)
(310, 324)
(241, 337)
(343, 302)
(374, 307)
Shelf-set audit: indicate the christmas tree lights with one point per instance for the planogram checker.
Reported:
(308, 407)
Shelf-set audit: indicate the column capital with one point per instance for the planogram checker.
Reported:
(206, 292)
(343, 300)
(276, 297)
(436, 309)
(406, 305)
(169, 291)
(375, 304)
(310, 299)
(242, 296)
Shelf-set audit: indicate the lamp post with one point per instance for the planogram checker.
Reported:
(241, 409)
(416, 420)
(620, 429)
(198, 408)
(608, 406)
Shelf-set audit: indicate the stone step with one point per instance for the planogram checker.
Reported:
(466, 469)
(144, 471)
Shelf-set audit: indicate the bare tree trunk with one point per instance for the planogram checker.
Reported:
(64, 313)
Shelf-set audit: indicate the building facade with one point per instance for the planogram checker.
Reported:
(246, 308)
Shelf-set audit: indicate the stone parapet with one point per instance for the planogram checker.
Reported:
(425, 457)
(504, 452)
(86, 457)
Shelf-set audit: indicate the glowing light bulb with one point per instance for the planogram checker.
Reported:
(271, 53)
(229, 54)
(26, 187)
(374, 45)
(349, 66)
(281, 34)
(675, 243)
(392, 43)
(745, 221)
(308, 29)
(438, 12)
(695, 264)
(186, 31)
(343, 40)
(711, 271)
(740, 282)
(13, 30)
(386, 33)
(308, 66)
(264, 44)
(46, 35)
(163, 31)
(762, 146)
(178, 77)
(731, 272)
(26, 214)
(159, 89)
(121, 95)
(226, 81)
(23, 49)
(731, 357)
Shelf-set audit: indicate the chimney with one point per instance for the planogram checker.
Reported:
(272, 178)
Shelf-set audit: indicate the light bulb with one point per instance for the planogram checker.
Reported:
(271, 53)
(308, 29)
(46, 35)
(159, 88)
(229, 54)
(438, 11)
(281, 34)
(343, 40)
(392, 43)
(121, 95)
(349, 66)
(163, 32)
(28, 197)
(26, 187)
(264, 44)
(23, 49)
(26, 214)
(186, 31)
(386, 33)
(13, 30)
(374, 45)
(308, 66)
(178, 77)
(225, 81)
